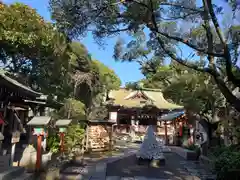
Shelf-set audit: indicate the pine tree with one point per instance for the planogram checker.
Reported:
(150, 148)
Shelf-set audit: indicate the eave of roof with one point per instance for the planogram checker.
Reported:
(171, 116)
(17, 84)
(39, 121)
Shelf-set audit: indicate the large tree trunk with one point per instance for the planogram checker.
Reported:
(230, 97)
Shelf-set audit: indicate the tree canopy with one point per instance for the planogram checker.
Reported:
(31, 48)
(107, 76)
(39, 55)
(162, 28)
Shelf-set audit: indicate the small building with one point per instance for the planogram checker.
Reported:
(135, 110)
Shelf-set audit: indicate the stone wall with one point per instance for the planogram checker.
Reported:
(99, 137)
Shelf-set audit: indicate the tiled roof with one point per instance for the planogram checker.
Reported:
(124, 97)
(3, 74)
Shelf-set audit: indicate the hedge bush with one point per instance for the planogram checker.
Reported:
(227, 163)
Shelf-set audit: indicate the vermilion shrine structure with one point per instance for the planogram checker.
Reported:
(135, 110)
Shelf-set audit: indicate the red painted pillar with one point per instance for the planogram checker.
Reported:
(39, 152)
(166, 133)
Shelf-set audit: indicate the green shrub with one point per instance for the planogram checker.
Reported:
(227, 163)
(73, 138)
(53, 142)
(217, 151)
(227, 166)
(192, 147)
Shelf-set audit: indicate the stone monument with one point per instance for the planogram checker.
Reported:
(151, 151)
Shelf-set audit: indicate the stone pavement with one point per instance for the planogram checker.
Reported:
(176, 168)
(124, 167)
(93, 168)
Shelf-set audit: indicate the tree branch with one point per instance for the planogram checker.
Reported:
(180, 6)
(227, 54)
(186, 42)
(168, 4)
(209, 36)
(220, 83)
(233, 100)
(171, 54)
(179, 17)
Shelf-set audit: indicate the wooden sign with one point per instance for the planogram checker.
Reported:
(38, 131)
(15, 137)
(62, 130)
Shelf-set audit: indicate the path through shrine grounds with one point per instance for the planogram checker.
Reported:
(126, 168)
(176, 168)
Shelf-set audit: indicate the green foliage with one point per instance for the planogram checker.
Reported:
(90, 78)
(227, 163)
(79, 58)
(72, 109)
(108, 77)
(23, 30)
(53, 142)
(217, 151)
(160, 29)
(42, 57)
(196, 91)
(32, 49)
(73, 138)
(192, 147)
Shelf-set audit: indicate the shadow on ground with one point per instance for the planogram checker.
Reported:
(174, 169)
(81, 167)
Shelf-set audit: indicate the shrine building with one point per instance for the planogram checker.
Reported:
(135, 110)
